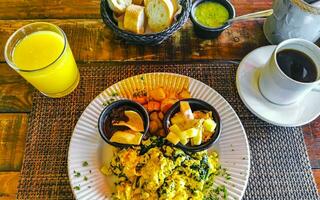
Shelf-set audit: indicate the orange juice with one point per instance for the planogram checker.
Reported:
(44, 59)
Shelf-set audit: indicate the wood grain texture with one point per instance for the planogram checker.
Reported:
(35, 9)
(92, 40)
(13, 128)
(15, 92)
(9, 185)
(312, 140)
(316, 175)
(41, 9)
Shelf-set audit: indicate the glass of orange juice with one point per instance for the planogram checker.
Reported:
(41, 54)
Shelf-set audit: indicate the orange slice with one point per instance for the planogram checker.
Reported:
(127, 137)
(135, 121)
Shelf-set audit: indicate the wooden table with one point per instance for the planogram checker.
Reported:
(92, 41)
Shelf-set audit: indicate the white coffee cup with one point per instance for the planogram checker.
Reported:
(279, 88)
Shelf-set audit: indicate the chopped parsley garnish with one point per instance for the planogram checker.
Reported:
(114, 94)
(141, 93)
(76, 187)
(85, 178)
(108, 102)
(225, 193)
(228, 177)
(90, 171)
(142, 78)
(84, 164)
(76, 174)
(223, 190)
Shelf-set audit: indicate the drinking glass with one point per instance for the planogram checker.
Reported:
(41, 54)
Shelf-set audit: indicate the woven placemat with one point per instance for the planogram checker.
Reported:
(280, 168)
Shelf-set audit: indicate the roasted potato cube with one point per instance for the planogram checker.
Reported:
(184, 94)
(172, 95)
(153, 106)
(141, 100)
(166, 104)
(158, 94)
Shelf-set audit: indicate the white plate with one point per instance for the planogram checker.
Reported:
(86, 144)
(296, 114)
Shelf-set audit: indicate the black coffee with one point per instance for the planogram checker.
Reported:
(297, 65)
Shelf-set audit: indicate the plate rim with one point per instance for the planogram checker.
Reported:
(172, 74)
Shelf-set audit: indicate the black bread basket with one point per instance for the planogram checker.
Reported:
(145, 39)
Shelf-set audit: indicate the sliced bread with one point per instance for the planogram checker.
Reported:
(134, 19)
(160, 14)
(175, 4)
(119, 6)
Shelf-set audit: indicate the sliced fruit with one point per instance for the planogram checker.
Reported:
(209, 125)
(177, 119)
(175, 129)
(173, 138)
(186, 110)
(184, 141)
(198, 138)
(192, 132)
(127, 137)
(135, 121)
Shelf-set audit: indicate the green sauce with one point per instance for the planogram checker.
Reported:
(211, 14)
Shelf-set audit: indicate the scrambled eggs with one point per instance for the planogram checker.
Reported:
(158, 171)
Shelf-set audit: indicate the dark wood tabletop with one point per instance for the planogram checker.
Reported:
(92, 41)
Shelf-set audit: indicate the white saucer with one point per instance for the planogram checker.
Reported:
(296, 114)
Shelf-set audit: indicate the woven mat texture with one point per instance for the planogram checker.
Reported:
(280, 168)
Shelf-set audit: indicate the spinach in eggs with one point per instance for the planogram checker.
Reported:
(155, 170)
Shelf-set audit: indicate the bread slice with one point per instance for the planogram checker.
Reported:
(160, 14)
(137, 2)
(175, 4)
(134, 19)
(119, 6)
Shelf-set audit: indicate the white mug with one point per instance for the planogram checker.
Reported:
(279, 88)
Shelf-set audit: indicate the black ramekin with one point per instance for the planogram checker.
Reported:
(195, 104)
(208, 32)
(117, 104)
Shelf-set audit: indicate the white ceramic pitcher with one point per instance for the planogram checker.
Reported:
(293, 19)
